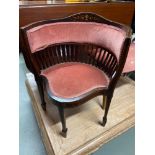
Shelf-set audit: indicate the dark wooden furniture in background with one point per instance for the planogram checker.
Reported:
(130, 62)
(107, 57)
(29, 12)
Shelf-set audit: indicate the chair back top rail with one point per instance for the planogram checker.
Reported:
(81, 17)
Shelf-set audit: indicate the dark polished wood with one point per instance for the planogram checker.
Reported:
(30, 11)
(89, 53)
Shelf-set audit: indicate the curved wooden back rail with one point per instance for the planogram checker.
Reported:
(76, 52)
(81, 17)
(109, 57)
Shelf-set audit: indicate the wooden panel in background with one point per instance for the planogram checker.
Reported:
(85, 134)
(117, 11)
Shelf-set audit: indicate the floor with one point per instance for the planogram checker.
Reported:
(30, 142)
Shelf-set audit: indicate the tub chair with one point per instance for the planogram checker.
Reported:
(75, 59)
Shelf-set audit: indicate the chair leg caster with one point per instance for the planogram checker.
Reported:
(104, 121)
(43, 105)
(64, 133)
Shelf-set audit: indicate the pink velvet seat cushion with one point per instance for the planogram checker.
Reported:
(130, 62)
(72, 79)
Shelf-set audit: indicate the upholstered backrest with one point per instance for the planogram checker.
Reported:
(104, 35)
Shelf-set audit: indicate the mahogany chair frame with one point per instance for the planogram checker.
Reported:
(49, 56)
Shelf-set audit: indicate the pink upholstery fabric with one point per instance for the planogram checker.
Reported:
(130, 62)
(68, 80)
(82, 32)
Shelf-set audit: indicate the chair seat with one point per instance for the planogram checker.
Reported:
(73, 79)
